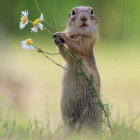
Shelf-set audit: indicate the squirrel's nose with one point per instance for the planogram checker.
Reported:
(83, 18)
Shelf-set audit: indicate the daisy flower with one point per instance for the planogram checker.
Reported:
(27, 44)
(24, 19)
(38, 24)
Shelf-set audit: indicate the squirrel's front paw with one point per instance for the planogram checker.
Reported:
(59, 39)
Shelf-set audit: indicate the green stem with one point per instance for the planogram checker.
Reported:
(38, 8)
(94, 92)
(50, 53)
(39, 49)
(30, 21)
(50, 26)
(53, 60)
(48, 30)
(44, 53)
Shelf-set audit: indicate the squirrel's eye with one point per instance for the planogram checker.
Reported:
(73, 12)
(92, 12)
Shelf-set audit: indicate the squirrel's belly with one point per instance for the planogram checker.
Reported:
(76, 96)
(75, 92)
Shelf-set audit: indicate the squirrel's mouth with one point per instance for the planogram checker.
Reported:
(84, 25)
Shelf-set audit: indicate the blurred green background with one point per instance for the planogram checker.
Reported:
(119, 18)
(33, 84)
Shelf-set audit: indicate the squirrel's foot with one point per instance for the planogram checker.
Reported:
(59, 39)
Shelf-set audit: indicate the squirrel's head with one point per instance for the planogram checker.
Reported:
(82, 20)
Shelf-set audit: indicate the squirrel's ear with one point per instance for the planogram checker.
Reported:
(69, 16)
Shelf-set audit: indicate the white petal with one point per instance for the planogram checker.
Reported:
(24, 46)
(30, 47)
(24, 13)
(22, 25)
(26, 22)
(40, 26)
(23, 42)
(27, 13)
(27, 47)
(41, 17)
(34, 29)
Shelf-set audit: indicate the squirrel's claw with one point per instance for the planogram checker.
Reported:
(59, 38)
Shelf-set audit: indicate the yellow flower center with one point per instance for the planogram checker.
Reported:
(29, 42)
(35, 23)
(24, 19)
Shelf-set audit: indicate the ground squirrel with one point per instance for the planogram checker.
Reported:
(78, 107)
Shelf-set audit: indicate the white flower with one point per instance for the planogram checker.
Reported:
(41, 17)
(24, 19)
(27, 44)
(38, 24)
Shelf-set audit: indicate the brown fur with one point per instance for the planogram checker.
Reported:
(79, 108)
